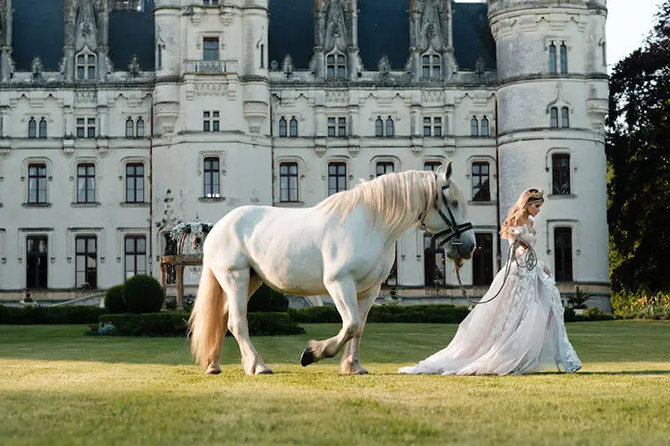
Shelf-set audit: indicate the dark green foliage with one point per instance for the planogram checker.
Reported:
(114, 302)
(176, 324)
(267, 300)
(441, 314)
(578, 299)
(143, 294)
(590, 314)
(72, 314)
(638, 153)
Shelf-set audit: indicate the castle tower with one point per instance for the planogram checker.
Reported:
(86, 40)
(431, 40)
(336, 40)
(552, 101)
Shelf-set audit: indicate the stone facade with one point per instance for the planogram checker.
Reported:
(119, 155)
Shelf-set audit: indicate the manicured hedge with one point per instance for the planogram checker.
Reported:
(71, 314)
(175, 324)
(440, 314)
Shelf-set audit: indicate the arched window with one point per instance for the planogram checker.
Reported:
(485, 126)
(565, 115)
(130, 128)
(552, 58)
(86, 66)
(32, 128)
(474, 127)
(335, 66)
(554, 118)
(293, 129)
(282, 127)
(564, 58)
(390, 128)
(140, 128)
(43, 128)
(379, 127)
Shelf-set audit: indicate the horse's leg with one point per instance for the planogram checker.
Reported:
(351, 364)
(214, 367)
(344, 295)
(237, 286)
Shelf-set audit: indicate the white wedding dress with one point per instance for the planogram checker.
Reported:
(520, 331)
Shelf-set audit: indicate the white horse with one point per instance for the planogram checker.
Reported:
(344, 246)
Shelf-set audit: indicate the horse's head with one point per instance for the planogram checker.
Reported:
(446, 219)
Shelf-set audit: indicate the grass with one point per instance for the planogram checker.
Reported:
(58, 387)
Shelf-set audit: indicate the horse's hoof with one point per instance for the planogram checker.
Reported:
(264, 371)
(307, 357)
(213, 371)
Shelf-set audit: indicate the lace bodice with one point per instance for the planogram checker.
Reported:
(524, 233)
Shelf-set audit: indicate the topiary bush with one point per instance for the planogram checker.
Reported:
(142, 294)
(114, 300)
(267, 300)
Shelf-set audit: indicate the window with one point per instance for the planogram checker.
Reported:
(482, 260)
(263, 56)
(560, 172)
(294, 128)
(136, 255)
(564, 58)
(481, 190)
(210, 2)
(384, 167)
(332, 127)
(433, 262)
(431, 166)
(565, 117)
(337, 178)
(159, 56)
(81, 127)
(32, 128)
(43, 128)
(474, 127)
(390, 128)
(37, 262)
(563, 253)
(282, 128)
(86, 262)
(210, 121)
(212, 177)
(85, 66)
(337, 127)
(90, 127)
(86, 183)
(335, 66)
(140, 128)
(432, 126)
(552, 58)
(554, 118)
(37, 183)
(170, 250)
(431, 67)
(210, 48)
(485, 126)
(130, 128)
(379, 127)
(288, 182)
(135, 183)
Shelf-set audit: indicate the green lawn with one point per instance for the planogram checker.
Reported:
(59, 387)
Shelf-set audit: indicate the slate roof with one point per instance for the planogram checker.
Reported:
(383, 28)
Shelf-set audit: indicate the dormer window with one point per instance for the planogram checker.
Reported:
(336, 66)
(431, 66)
(86, 66)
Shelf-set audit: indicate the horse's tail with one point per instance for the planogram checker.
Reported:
(209, 319)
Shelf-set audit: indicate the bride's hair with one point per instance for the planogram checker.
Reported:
(516, 213)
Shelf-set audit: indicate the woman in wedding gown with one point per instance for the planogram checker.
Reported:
(519, 331)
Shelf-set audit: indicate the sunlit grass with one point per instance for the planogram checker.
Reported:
(59, 387)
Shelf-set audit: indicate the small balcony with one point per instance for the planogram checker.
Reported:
(210, 66)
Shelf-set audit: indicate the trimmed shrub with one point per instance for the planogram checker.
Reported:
(176, 324)
(267, 300)
(590, 314)
(142, 294)
(71, 314)
(114, 302)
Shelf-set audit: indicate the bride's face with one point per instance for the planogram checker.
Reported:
(534, 208)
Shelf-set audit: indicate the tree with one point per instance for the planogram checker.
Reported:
(638, 152)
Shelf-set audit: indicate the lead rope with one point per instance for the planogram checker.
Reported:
(530, 264)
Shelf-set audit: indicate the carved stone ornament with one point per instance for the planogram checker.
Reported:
(287, 65)
(134, 66)
(86, 27)
(384, 65)
(480, 64)
(36, 67)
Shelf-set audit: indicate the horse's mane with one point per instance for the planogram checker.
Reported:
(394, 199)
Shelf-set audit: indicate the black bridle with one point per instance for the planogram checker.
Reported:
(454, 230)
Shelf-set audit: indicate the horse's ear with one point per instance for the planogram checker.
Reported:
(449, 171)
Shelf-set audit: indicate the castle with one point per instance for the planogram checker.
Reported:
(120, 119)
